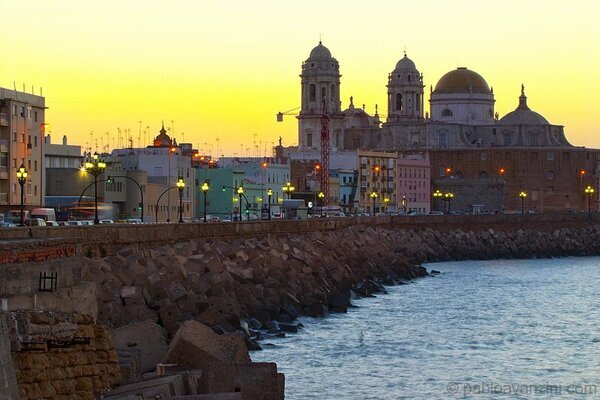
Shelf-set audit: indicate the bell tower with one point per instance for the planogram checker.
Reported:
(320, 80)
(405, 92)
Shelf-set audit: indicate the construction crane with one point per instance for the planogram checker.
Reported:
(325, 154)
(288, 112)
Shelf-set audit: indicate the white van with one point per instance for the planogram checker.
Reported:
(47, 214)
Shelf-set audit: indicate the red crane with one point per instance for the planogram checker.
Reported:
(325, 154)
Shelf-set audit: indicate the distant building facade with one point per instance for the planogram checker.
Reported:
(22, 127)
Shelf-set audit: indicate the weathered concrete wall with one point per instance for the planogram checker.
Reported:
(8, 380)
(107, 239)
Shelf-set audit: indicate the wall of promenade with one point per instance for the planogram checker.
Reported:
(19, 245)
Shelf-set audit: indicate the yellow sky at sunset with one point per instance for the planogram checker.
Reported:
(222, 69)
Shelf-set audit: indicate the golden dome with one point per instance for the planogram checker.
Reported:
(462, 80)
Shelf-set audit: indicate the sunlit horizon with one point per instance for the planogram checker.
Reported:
(224, 71)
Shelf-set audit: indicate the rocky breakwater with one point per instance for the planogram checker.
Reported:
(154, 300)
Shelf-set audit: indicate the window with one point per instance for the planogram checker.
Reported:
(533, 139)
(35, 116)
(309, 140)
(29, 165)
(333, 93)
(398, 102)
(418, 102)
(29, 188)
(483, 175)
(35, 190)
(550, 175)
(483, 156)
(507, 138)
(323, 93)
(550, 156)
(35, 165)
(443, 140)
(312, 92)
(447, 113)
(14, 109)
(22, 138)
(14, 136)
(35, 141)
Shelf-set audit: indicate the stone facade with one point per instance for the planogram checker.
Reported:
(8, 380)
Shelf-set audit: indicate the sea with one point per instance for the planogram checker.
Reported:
(503, 329)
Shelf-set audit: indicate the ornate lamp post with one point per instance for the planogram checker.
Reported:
(404, 204)
(240, 192)
(374, 198)
(180, 185)
(321, 197)
(386, 200)
(95, 166)
(205, 187)
(589, 191)
(269, 195)
(288, 188)
(22, 178)
(523, 195)
(448, 198)
(436, 195)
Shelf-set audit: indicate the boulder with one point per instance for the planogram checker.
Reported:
(195, 346)
(146, 336)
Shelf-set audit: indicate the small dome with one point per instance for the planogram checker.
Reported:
(523, 115)
(462, 80)
(320, 53)
(405, 64)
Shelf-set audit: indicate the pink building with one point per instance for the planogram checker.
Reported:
(413, 182)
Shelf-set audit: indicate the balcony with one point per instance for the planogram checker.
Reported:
(3, 146)
(3, 172)
(3, 119)
(3, 198)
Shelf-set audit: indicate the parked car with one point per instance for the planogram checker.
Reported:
(87, 222)
(107, 221)
(52, 223)
(435, 213)
(74, 223)
(35, 222)
(63, 223)
(47, 214)
(7, 225)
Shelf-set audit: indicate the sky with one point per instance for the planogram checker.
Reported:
(217, 72)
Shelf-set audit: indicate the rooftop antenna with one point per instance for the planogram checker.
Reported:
(140, 134)
(218, 149)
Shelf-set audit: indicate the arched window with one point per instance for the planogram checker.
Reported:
(408, 78)
(443, 140)
(447, 113)
(418, 102)
(398, 102)
(323, 93)
(484, 175)
(507, 138)
(312, 93)
(333, 92)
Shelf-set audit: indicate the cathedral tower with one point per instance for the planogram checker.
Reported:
(405, 92)
(320, 81)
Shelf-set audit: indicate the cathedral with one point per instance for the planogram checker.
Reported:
(462, 113)
(484, 159)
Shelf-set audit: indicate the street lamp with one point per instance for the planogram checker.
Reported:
(448, 198)
(582, 172)
(180, 185)
(436, 195)
(501, 172)
(269, 194)
(205, 186)
(589, 191)
(404, 204)
(95, 166)
(22, 178)
(522, 195)
(374, 198)
(240, 192)
(321, 197)
(288, 188)
(386, 200)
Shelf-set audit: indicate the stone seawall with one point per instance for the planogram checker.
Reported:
(43, 243)
(257, 286)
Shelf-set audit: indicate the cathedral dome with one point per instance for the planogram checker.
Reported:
(523, 115)
(320, 53)
(405, 64)
(462, 80)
